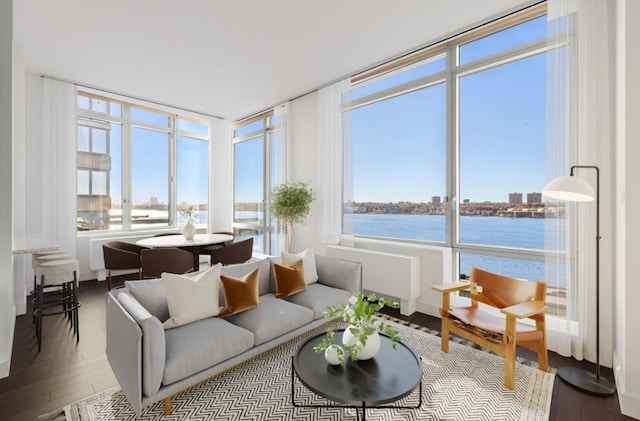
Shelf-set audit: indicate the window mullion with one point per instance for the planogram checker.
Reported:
(126, 168)
(173, 157)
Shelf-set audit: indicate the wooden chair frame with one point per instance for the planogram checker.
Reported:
(516, 300)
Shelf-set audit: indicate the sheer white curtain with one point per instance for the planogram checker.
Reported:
(330, 135)
(59, 168)
(279, 165)
(579, 132)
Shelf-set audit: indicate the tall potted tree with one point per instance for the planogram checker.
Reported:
(291, 203)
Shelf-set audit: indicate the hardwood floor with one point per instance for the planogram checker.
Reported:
(65, 371)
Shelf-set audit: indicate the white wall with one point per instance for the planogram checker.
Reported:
(627, 311)
(303, 154)
(7, 307)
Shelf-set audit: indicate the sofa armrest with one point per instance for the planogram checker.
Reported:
(339, 273)
(124, 350)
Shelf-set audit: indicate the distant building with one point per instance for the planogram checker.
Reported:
(515, 199)
(435, 200)
(534, 197)
(466, 201)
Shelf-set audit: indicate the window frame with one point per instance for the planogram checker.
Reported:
(127, 124)
(267, 229)
(451, 76)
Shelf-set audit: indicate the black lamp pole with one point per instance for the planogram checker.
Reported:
(577, 377)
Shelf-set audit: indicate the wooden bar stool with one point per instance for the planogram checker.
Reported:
(62, 274)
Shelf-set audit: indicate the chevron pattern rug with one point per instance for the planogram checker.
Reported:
(465, 384)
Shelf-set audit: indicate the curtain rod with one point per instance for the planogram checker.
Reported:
(82, 85)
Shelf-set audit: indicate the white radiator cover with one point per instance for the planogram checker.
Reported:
(384, 273)
(96, 259)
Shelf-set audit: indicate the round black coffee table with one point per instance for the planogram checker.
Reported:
(389, 376)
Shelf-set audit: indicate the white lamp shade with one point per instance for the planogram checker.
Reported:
(569, 188)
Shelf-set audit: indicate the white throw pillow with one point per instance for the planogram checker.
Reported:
(192, 298)
(308, 263)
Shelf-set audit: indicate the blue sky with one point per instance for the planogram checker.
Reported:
(400, 144)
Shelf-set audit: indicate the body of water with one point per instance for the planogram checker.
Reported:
(526, 233)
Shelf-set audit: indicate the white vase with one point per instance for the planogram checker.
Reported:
(371, 347)
(332, 354)
(189, 231)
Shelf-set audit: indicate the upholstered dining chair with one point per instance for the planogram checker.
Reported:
(120, 255)
(236, 252)
(165, 259)
(208, 248)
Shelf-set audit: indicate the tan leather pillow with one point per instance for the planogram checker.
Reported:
(289, 279)
(240, 294)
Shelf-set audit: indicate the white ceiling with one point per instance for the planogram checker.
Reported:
(229, 58)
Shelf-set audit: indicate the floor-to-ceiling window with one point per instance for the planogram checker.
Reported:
(447, 147)
(138, 167)
(253, 168)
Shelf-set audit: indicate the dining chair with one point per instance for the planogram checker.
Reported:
(165, 259)
(120, 255)
(236, 252)
(208, 248)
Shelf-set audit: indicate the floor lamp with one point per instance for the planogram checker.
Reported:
(574, 189)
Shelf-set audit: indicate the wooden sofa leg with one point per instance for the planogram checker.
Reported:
(167, 406)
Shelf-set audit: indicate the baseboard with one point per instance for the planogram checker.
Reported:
(629, 402)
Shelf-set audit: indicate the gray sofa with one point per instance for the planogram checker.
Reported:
(153, 364)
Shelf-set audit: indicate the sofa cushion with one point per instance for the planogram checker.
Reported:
(153, 345)
(200, 345)
(309, 262)
(152, 295)
(240, 294)
(273, 318)
(289, 279)
(238, 271)
(339, 273)
(192, 298)
(318, 297)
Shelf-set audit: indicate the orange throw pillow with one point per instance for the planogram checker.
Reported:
(289, 279)
(240, 294)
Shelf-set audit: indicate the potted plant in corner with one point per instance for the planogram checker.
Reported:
(291, 203)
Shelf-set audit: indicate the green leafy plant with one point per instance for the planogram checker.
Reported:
(360, 314)
(291, 203)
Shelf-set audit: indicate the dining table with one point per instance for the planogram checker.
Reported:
(179, 241)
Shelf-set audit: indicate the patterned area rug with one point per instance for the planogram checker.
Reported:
(465, 384)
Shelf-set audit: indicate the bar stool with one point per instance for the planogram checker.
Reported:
(62, 274)
(41, 257)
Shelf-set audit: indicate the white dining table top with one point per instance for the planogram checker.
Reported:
(178, 240)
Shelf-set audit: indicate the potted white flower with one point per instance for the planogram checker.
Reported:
(361, 338)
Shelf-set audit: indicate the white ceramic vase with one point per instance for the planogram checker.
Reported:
(371, 347)
(332, 354)
(189, 231)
